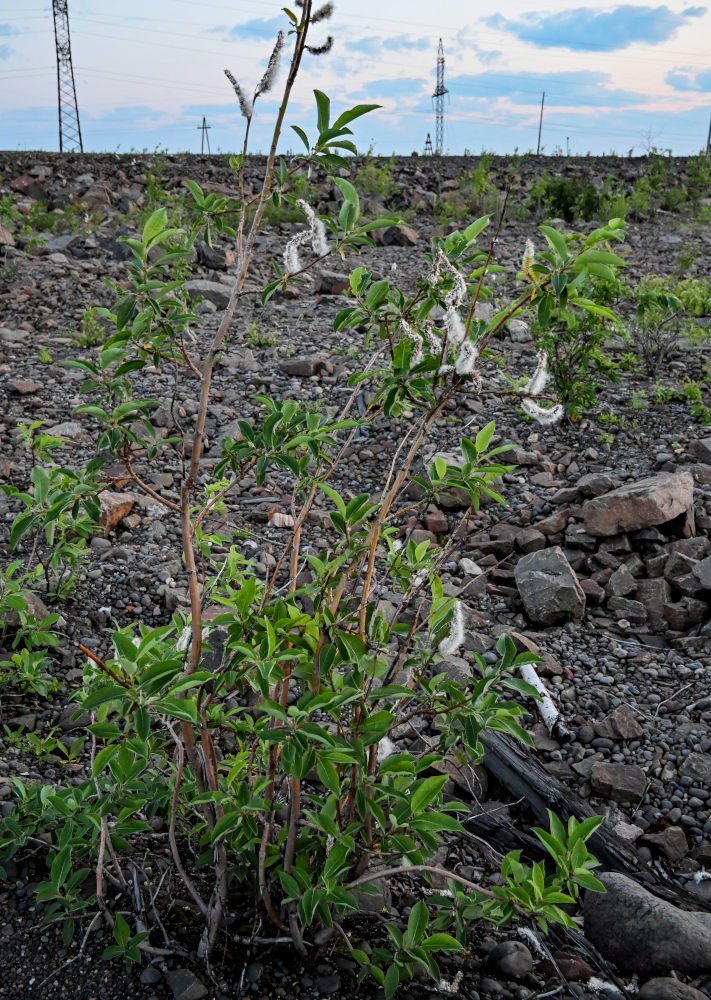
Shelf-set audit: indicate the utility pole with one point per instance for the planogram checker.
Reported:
(440, 91)
(540, 124)
(69, 128)
(708, 140)
(204, 137)
(428, 145)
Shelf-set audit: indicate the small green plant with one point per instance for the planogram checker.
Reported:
(639, 400)
(259, 338)
(692, 392)
(47, 746)
(375, 177)
(576, 332)
(92, 331)
(45, 355)
(60, 514)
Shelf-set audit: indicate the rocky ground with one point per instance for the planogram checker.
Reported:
(601, 561)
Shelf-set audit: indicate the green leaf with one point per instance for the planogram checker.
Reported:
(103, 757)
(355, 112)
(323, 104)
(472, 231)
(304, 138)
(426, 790)
(441, 942)
(484, 436)
(122, 932)
(556, 241)
(417, 922)
(375, 727)
(154, 225)
(392, 980)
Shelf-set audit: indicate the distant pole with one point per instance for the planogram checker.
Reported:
(205, 137)
(428, 145)
(567, 145)
(540, 124)
(708, 140)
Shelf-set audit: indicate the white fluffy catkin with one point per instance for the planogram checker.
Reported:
(450, 645)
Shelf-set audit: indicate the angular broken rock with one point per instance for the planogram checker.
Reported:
(642, 505)
(114, 507)
(671, 841)
(549, 587)
(619, 725)
(619, 782)
(643, 934)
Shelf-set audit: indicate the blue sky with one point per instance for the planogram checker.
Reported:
(616, 76)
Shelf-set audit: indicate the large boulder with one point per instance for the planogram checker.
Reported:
(642, 505)
(549, 587)
(643, 934)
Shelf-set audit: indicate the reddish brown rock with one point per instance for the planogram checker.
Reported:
(114, 507)
(400, 236)
(619, 782)
(619, 725)
(641, 505)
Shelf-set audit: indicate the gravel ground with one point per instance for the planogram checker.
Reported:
(593, 668)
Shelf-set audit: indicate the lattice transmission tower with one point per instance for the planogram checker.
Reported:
(69, 127)
(440, 91)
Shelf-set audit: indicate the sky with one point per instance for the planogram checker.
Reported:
(617, 77)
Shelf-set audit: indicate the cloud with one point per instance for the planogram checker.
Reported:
(406, 86)
(580, 87)
(5, 51)
(401, 43)
(7, 29)
(588, 29)
(688, 79)
(257, 28)
(371, 45)
(374, 45)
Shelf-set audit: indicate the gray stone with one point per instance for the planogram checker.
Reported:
(619, 782)
(549, 587)
(511, 959)
(642, 505)
(520, 331)
(701, 450)
(697, 766)
(9, 336)
(530, 540)
(622, 608)
(331, 283)
(185, 985)
(665, 988)
(214, 291)
(671, 841)
(621, 583)
(643, 934)
(702, 572)
(653, 595)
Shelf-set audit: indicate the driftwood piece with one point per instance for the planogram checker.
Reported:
(520, 772)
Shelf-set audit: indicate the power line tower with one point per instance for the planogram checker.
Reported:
(205, 137)
(440, 91)
(69, 127)
(428, 145)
